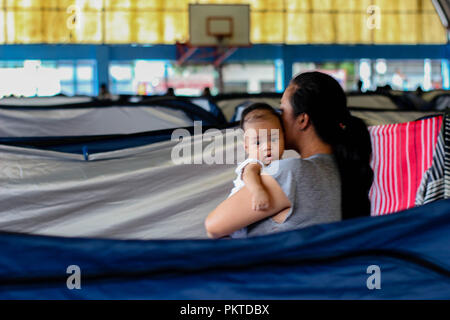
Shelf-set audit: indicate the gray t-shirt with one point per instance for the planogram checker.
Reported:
(313, 187)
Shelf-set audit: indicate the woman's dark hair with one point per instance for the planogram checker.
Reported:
(323, 99)
(259, 106)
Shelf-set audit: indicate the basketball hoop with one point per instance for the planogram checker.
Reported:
(216, 31)
(210, 24)
(220, 27)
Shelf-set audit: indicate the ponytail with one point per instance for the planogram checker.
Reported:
(322, 98)
(352, 155)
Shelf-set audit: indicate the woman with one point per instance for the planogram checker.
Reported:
(330, 182)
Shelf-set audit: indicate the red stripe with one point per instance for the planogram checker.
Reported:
(400, 166)
(388, 167)
(401, 154)
(373, 161)
(395, 169)
(376, 165)
(382, 149)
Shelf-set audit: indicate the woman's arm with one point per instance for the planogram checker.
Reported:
(236, 212)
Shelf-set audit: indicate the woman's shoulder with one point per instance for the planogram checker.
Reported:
(297, 161)
(289, 166)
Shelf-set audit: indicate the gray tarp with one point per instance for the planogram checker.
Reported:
(371, 101)
(132, 193)
(89, 121)
(135, 193)
(228, 106)
(44, 101)
(372, 118)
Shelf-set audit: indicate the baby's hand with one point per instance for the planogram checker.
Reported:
(260, 200)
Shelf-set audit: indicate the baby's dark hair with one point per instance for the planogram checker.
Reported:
(259, 106)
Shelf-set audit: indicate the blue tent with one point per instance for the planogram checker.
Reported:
(331, 261)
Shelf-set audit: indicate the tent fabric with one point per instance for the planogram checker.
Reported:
(441, 102)
(430, 95)
(102, 143)
(329, 261)
(89, 121)
(133, 193)
(434, 184)
(230, 106)
(88, 145)
(401, 155)
(183, 102)
(129, 193)
(374, 118)
(45, 101)
(105, 117)
(371, 101)
(203, 102)
(209, 106)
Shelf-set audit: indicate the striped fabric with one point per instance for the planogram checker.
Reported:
(435, 182)
(432, 187)
(447, 155)
(401, 154)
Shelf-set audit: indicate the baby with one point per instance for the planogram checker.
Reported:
(263, 143)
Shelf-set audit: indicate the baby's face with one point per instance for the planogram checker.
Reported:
(264, 140)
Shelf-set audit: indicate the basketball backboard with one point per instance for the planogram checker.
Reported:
(225, 25)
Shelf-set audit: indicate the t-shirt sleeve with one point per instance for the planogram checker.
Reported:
(241, 167)
(284, 172)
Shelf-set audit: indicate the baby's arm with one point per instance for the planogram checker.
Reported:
(251, 175)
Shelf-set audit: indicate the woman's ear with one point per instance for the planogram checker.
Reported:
(303, 121)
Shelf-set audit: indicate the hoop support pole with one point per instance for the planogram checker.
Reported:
(224, 56)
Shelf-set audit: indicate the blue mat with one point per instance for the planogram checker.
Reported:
(411, 249)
